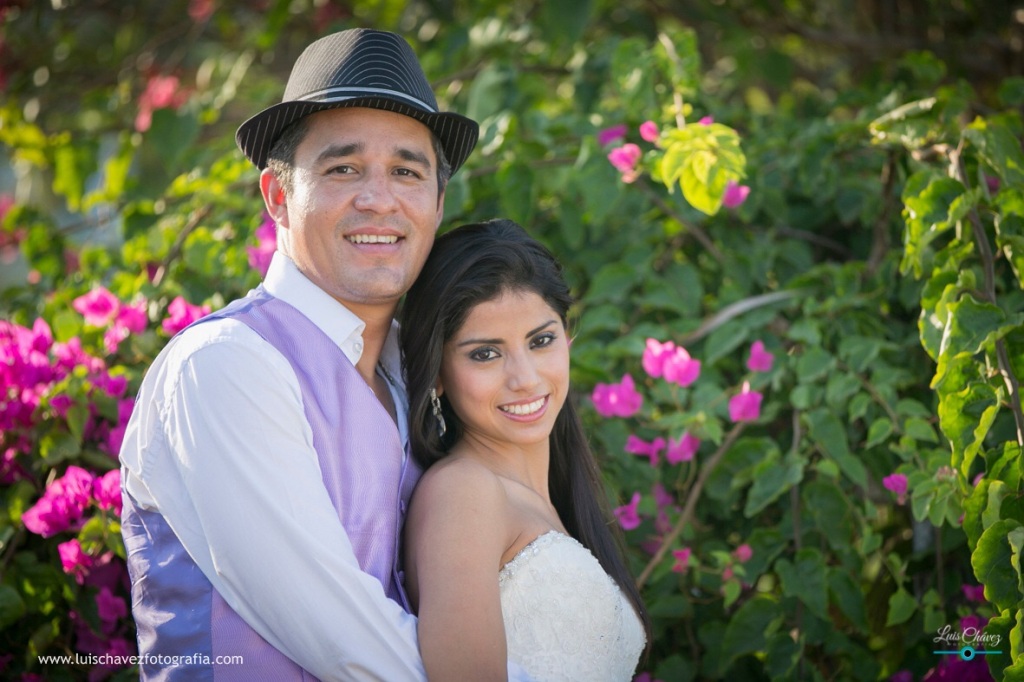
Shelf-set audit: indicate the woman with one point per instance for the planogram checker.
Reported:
(509, 551)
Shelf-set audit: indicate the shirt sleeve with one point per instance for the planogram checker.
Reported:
(231, 467)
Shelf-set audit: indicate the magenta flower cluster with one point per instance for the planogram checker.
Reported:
(65, 501)
(180, 314)
(617, 400)
(100, 308)
(266, 244)
(665, 360)
(671, 362)
(32, 367)
(626, 157)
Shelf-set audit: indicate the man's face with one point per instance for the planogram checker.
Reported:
(364, 206)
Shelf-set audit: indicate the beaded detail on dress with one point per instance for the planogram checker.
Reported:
(565, 618)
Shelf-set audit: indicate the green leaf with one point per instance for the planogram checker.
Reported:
(1001, 625)
(813, 364)
(973, 324)
(965, 418)
(999, 147)
(879, 432)
(772, 478)
(848, 596)
(805, 579)
(901, 607)
(919, 429)
(516, 189)
(996, 565)
(748, 629)
(612, 283)
(911, 125)
(12, 608)
(72, 166)
(829, 433)
(1010, 241)
(927, 198)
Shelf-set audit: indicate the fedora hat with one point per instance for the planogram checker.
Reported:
(358, 68)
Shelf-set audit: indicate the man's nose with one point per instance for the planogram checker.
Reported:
(375, 193)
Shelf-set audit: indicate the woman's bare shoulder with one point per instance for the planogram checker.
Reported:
(458, 478)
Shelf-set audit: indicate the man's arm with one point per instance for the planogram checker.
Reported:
(238, 481)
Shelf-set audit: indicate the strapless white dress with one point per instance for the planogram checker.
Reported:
(565, 618)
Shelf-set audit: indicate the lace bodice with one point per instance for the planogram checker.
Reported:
(565, 618)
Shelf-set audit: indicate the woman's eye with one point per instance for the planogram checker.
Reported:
(483, 354)
(543, 340)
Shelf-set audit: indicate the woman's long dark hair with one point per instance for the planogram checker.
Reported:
(470, 265)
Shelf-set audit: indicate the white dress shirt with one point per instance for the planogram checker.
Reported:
(222, 449)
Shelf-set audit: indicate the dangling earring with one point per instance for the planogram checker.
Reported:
(435, 403)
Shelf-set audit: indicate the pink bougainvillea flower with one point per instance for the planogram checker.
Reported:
(760, 360)
(662, 497)
(113, 337)
(115, 437)
(743, 553)
(130, 319)
(62, 505)
(98, 307)
(200, 10)
(266, 237)
(110, 608)
(745, 406)
(649, 131)
(680, 368)
(74, 559)
(734, 194)
(617, 400)
(625, 159)
(612, 134)
(972, 622)
(162, 92)
(133, 317)
(106, 490)
(707, 120)
(638, 446)
(902, 676)
(974, 592)
(992, 183)
(682, 557)
(645, 677)
(897, 483)
(180, 314)
(727, 573)
(627, 514)
(682, 450)
(653, 358)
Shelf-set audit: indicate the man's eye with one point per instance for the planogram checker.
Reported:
(408, 172)
(342, 170)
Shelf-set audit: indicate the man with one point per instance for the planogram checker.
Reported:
(266, 468)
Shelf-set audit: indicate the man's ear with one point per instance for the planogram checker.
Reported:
(274, 197)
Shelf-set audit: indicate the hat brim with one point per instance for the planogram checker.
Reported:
(457, 134)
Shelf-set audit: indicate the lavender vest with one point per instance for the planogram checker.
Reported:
(368, 476)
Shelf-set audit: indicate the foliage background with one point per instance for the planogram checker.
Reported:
(878, 257)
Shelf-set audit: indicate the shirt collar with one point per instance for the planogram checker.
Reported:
(286, 282)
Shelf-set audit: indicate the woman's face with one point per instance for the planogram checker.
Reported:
(506, 371)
